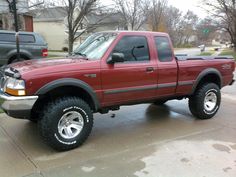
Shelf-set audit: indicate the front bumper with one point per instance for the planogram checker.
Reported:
(17, 106)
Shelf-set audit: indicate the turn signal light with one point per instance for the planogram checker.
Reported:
(15, 92)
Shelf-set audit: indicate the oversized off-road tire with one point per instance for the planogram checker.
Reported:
(205, 103)
(160, 102)
(66, 123)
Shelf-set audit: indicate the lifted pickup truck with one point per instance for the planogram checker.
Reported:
(108, 70)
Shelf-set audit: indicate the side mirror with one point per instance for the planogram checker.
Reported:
(116, 58)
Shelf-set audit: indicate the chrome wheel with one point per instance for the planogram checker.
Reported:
(70, 125)
(210, 101)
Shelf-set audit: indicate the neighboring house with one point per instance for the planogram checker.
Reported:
(51, 24)
(25, 20)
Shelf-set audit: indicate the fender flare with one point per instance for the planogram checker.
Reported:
(203, 74)
(70, 82)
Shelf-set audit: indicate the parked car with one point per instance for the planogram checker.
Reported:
(202, 47)
(108, 70)
(32, 46)
(217, 48)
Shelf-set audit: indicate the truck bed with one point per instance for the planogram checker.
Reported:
(192, 67)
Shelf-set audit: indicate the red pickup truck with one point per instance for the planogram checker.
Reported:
(108, 70)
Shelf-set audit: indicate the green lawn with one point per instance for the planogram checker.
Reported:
(207, 53)
(228, 52)
(53, 56)
(55, 51)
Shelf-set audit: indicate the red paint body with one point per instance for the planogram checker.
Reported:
(119, 76)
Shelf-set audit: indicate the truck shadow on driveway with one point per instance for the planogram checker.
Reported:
(26, 136)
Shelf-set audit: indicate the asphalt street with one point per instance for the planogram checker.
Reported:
(141, 140)
(191, 51)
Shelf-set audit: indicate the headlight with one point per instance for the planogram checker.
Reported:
(15, 87)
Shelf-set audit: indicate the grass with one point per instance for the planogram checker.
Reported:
(207, 53)
(55, 51)
(1, 111)
(53, 56)
(228, 52)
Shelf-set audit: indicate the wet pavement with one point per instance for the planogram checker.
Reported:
(142, 140)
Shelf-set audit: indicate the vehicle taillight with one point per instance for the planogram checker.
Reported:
(45, 52)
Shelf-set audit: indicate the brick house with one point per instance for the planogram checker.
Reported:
(25, 19)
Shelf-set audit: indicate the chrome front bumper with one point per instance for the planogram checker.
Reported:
(17, 106)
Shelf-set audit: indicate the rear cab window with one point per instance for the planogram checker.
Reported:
(134, 48)
(164, 50)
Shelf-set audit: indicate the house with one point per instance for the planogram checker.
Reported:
(51, 24)
(25, 19)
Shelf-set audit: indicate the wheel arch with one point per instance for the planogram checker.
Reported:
(208, 75)
(13, 56)
(73, 86)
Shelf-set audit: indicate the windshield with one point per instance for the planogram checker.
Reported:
(95, 45)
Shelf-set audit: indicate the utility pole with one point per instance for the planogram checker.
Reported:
(13, 9)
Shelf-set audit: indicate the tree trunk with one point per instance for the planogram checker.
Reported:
(234, 48)
(71, 43)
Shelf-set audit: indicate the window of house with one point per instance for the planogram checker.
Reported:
(163, 49)
(134, 48)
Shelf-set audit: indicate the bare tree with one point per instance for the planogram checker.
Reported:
(134, 12)
(173, 18)
(156, 13)
(225, 12)
(76, 13)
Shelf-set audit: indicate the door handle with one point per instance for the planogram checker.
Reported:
(149, 69)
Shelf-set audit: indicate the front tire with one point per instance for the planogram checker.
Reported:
(205, 103)
(66, 123)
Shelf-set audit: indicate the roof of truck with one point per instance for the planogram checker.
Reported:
(136, 32)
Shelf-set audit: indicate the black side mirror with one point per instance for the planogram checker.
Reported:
(116, 58)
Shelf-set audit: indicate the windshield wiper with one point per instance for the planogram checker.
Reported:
(81, 54)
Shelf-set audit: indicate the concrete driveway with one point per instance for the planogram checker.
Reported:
(142, 140)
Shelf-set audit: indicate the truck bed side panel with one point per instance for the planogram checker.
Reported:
(189, 70)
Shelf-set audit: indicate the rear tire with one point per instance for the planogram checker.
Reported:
(205, 103)
(66, 123)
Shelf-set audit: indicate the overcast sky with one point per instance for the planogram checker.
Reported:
(193, 5)
(183, 5)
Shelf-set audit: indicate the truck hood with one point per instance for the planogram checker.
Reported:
(44, 66)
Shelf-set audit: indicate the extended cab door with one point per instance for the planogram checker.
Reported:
(135, 78)
(167, 66)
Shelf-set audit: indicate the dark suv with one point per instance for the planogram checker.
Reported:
(32, 46)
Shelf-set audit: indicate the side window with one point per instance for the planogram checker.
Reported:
(25, 38)
(10, 37)
(7, 37)
(163, 49)
(134, 48)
